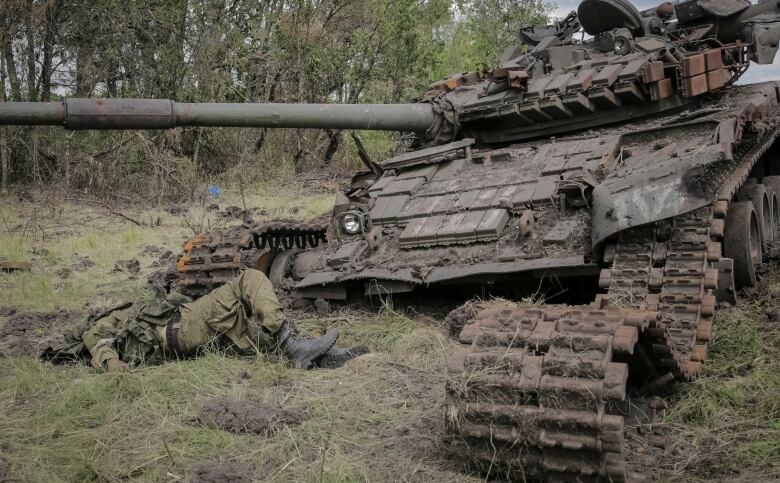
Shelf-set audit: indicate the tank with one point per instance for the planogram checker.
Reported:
(606, 178)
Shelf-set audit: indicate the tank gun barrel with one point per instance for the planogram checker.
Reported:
(77, 114)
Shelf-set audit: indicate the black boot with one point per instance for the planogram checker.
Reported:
(337, 357)
(301, 352)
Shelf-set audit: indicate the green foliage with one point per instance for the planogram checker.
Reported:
(490, 26)
(240, 51)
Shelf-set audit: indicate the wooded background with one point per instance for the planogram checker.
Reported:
(227, 51)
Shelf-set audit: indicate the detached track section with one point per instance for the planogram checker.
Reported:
(212, 259)
(529, 401)
(531, 398)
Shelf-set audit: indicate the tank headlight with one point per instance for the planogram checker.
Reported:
(351, 224)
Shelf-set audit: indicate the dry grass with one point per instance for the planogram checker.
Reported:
(378, 419)
(726, 425)
(58, 235)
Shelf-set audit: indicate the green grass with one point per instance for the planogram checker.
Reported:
(726, 425)
(374, 420)
(378, 419)
(58, 238)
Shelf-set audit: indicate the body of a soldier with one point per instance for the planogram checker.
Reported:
(244, 316)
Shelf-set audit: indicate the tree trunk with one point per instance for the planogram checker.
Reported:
(32, 94)
(333, 146)
(4, 164)
(13, 76)
(196, 148)
(178, 68)
(66, 163)
(82, 88)
(50, 26)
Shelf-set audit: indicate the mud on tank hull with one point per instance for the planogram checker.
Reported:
(666, 216)
(543, 392)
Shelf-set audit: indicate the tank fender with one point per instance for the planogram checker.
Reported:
(646, 197)
(681, 184)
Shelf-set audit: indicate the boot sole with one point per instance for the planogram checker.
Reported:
(334, 362)
(307, 362)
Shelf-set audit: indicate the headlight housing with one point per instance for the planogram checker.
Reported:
(351, 224)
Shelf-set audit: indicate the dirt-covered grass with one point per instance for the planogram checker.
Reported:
(726, 425)
(377, 419)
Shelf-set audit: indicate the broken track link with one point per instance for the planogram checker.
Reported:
(530, 398)
(211, 259)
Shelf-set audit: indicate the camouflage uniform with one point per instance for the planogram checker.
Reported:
(242, 315)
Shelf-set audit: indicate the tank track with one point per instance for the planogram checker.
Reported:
(538, 394)
(212, 259)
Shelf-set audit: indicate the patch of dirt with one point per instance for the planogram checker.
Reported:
(774, 315)
(132, 266)
(63, 273)
(81, 264)
(25, 332)
(177, 209)
(231, 212)
(246, 417)
(218, 472)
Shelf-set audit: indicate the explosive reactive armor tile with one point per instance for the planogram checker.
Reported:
(465, 227)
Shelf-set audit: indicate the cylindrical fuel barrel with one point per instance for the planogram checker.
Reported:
(163, 114)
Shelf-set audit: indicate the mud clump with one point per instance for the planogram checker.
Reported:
(63, 273)
(246, 417)
(132, 266)
(460, 316)
(177, 209)
(774, 316)
(217, 472)
(231, 212)
(25, 331)
(81, 264)
(163, 257)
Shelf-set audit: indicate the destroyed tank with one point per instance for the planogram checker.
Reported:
(608, 163)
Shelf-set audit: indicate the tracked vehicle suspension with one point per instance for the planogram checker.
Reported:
(534, 396)
(212, 259)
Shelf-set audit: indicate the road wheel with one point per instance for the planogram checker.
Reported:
(772, 184)
(757, 194)
(742, 242)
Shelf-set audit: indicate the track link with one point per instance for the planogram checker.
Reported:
(529, 400)
(533, 396)
(212, 259)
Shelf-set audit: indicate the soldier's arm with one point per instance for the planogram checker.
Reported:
(99, 340)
